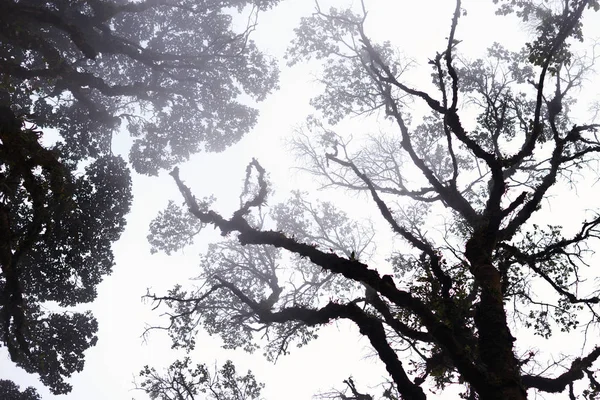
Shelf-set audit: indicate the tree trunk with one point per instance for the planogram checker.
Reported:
(495, 340)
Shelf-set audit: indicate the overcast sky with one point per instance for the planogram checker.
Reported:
(418, 28)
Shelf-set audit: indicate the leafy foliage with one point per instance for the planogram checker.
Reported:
(174, 228)
(172, 74)
(10, 391)
(495, 140)
(54, 249)
(185, 382)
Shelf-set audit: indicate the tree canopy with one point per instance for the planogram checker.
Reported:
(183, 381)
(445, 309)
(73, 74)
(172, 73)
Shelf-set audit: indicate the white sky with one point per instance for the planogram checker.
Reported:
(416, 27)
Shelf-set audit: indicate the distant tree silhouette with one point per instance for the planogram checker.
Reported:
(496, 139)
(169, 72)
(183, 381)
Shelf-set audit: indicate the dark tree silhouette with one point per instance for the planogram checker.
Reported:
(10, 391)
(456, 304)
(169, 73)
(57, 228)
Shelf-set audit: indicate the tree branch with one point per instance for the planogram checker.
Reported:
(558, 384)
(351, 269)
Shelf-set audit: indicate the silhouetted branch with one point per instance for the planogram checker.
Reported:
(352, 269)
(558, 384)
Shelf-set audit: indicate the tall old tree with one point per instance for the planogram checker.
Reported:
(171, 74)
(497, 138)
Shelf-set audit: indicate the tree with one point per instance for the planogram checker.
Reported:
(10, 391)
(457, 303)
(182, 381)
(171, 74)
(57, 230)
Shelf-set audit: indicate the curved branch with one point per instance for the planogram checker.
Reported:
(351, 269)
(368, 326)
(558, 384)
(531, 259)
